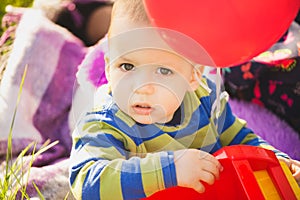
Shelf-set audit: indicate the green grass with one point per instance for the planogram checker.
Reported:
(17, 171)
(14, 178)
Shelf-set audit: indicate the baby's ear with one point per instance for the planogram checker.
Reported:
(196, 77)
(199, 69)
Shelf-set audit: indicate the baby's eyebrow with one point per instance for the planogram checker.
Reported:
(126, 59)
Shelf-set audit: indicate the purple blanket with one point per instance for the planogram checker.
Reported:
(52, 55)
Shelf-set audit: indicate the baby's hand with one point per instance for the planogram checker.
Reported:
(193, 166)
(294, 166)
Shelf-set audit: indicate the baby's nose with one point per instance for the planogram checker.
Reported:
(144, 81)
(146, 88)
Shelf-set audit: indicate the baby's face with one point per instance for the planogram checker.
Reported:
(147, 83)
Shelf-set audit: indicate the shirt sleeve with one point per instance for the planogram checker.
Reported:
(231, 129)
(104, 167)
(234, 131)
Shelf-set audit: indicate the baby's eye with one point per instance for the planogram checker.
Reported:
(127, 67)
(164, 71)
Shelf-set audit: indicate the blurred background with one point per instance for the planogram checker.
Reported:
(17, 3)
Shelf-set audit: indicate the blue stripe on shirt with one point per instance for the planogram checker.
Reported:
(169, 172)
(91, 183)
(76, 168)
(241, 136)
(131, 179)
(103, 140)
(226, 119)
(214, 147)
(78, 144)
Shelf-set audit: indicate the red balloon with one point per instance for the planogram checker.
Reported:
(230, 31)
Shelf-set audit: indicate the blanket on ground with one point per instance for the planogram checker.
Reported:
(52, 55)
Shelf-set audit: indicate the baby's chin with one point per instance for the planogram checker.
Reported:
(148, 119)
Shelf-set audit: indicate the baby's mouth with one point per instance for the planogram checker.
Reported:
(142, 109)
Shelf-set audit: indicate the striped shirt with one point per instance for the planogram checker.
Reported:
(113, 157)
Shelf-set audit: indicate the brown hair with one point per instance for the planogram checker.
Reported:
(133, 9)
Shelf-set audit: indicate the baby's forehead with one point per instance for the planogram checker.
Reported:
(153, 55)
(135, 39)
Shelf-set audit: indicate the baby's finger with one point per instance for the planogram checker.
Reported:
(207, 177)
(206, 156)
(295, 170)
(211, 168)
(198, 186)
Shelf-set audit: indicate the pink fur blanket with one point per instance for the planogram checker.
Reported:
(267, 125)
